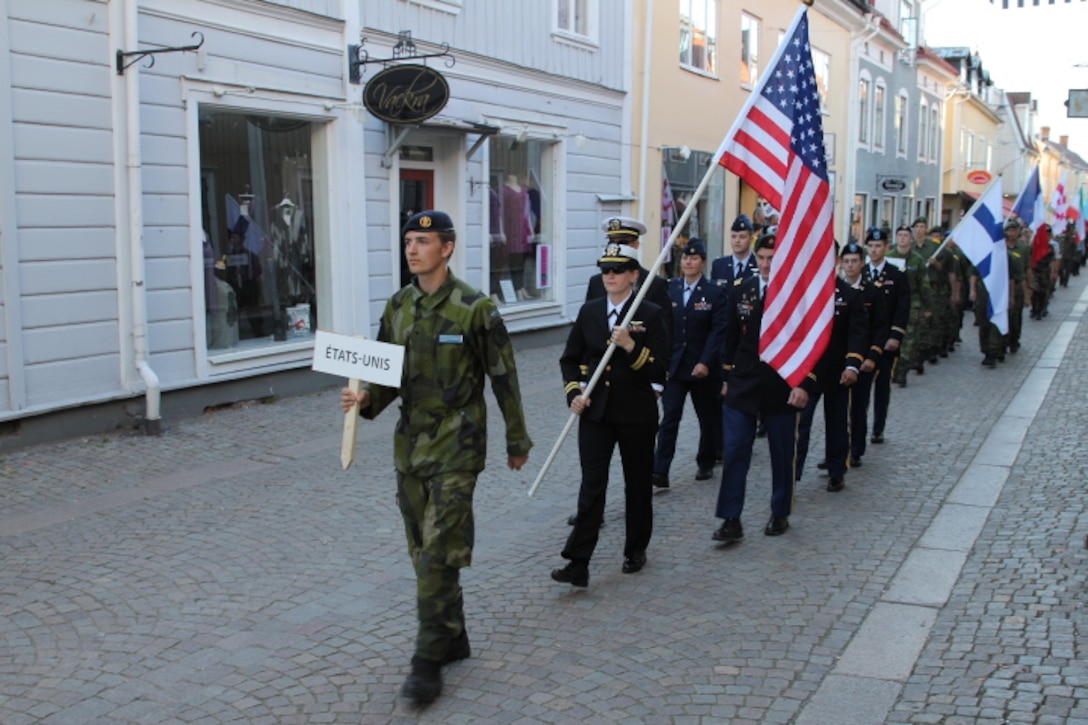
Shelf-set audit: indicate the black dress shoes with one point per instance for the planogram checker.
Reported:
(900, 379)
(634, 562)
(704, 474)
(660, 480)
(855, 461)
(822, 465)
(777, 526)
(576, 573)
(424, 684)
(877, 439)
(989, 361)
(834, 485)
(729, 531)
(571, 519)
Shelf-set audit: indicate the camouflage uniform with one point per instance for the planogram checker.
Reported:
(991, 343)
(1041, 285)
(453, 338)
(911, 351)
(1019, 263)
(1068, 246)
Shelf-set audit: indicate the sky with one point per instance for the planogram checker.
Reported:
(1031, 49)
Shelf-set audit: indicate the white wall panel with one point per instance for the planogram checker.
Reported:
(67, 244)
(61, 309)
(53, 344)
(63, 177)
(91, 275)
(59, 383)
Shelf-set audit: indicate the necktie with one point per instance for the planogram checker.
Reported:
(762, 291)
(687, 294)
(873, 273)
(738, 270)
(613, 317)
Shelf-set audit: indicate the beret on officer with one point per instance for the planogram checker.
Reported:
(767, 241)
(852, 248)
(695, 246)
(902, 228)
(921, 220)
(620, 226)
(1011, 223)
(618, 257)
(874, 234)
(428, 221)
(742, 224)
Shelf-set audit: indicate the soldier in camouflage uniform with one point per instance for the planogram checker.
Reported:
(1019, 292)
(1044, 272)
(453, 337)
(1068, 250)
(910, 356)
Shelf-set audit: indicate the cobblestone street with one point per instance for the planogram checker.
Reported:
(230, 572)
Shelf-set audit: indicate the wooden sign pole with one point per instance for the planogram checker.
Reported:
(351, 421)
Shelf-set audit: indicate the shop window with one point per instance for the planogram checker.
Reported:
(257, 198)
(699, 35)
(749, 49)
(521, 194)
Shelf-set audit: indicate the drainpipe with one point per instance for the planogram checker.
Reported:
(138, 291)
(644, 142)
(857, 39)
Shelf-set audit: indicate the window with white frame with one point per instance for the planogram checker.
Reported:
(258, 186)
(576, 17)
(521, 198)
(923, 129)
(967, 148)
(821, 64)
(902, 109)
(864, 90)
(934, 132)
(699, 35)
(749, 49)
(879, 124)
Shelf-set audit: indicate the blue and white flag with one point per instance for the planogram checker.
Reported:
(980, 235)
(1030, 206)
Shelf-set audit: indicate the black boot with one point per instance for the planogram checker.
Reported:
(424, 684)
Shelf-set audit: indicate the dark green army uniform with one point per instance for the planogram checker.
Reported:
(1019, 267)
(1041, 285)
(937, 328)
(911, 350)
(453, 338)
(1067, 246)
(991, 343)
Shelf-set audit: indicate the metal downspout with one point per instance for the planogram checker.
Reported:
(138, 290)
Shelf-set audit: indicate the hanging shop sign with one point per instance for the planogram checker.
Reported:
(406, 94)
(980, 177)
(893, 183)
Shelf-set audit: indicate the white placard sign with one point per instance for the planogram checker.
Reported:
(355, 357)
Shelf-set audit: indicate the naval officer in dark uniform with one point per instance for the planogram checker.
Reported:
(621, 409)
(698, 309)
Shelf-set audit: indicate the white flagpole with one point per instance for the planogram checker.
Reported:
(696, 195)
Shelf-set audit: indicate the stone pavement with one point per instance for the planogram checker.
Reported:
(230, 572)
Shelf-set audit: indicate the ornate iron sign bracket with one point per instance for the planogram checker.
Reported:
(405, 49)
(138, 55)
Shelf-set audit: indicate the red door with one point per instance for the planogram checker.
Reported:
(416, 195)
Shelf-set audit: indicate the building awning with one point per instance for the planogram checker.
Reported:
(1006, 203)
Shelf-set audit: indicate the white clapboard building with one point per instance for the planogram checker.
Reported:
(175, 226)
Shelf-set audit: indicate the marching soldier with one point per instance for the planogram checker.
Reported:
(1019, 291)
(741, 264)
(453, 336)
(895, 289)
(625, 230)
(913, 265)
(622, 409)
(698, 310)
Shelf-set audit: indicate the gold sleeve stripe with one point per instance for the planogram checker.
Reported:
(642, 358)
(898, 329)
(811, 376)
(584, 369)
(854, 354)
(571, 387)
(878, 349)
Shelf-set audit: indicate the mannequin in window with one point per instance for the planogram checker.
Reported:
(499, 261)
(517, 227)
(294, 254)
(243, 272)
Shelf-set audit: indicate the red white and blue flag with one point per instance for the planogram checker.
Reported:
(1030, 206)
(777, 148)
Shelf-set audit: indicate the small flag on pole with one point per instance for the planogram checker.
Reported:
(980, 235)
(778, 150)
(668, 214)
(1059, 203)
(1031, 208)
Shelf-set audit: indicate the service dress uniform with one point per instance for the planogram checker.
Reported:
(894, 288)
(453, 338)
(623, 411)
(846, 350)
(699, 315)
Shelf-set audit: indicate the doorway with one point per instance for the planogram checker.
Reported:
(416, 195)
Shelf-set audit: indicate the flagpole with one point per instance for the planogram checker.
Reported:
(688, 210)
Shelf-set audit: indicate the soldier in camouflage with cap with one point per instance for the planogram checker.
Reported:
(914, 266)
(453, 337)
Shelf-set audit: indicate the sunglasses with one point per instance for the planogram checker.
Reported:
(613, 270)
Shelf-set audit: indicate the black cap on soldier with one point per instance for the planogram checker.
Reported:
(695, 246)
(428, 221)
(852, 248)
(765, 242)
(873, 234)
(742, 224)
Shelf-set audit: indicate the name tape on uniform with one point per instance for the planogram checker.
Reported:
(354, 357)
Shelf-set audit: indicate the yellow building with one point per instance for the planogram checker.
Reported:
(689, 85)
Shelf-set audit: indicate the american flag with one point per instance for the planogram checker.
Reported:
(778, 149)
